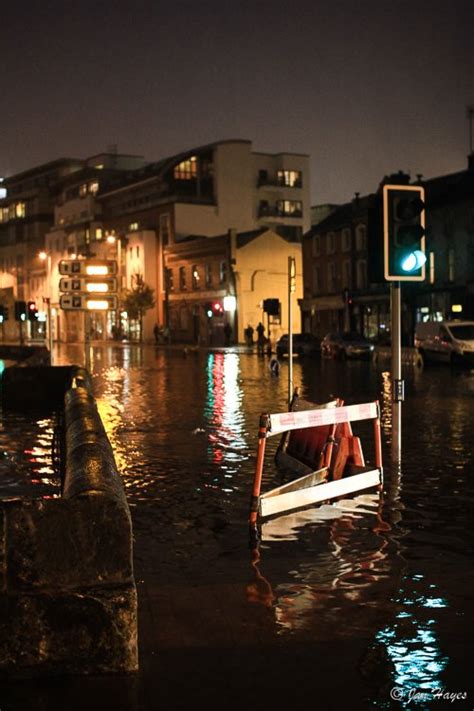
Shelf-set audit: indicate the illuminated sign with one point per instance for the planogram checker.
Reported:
(81, 302)
(88, 286)
(87, 267)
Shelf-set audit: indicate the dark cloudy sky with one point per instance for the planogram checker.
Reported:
(365, 87)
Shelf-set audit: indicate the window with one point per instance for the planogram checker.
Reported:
(182, 277)
(451, 264)
(133, 227)
(208, 274)
(186, 170)
(290, 208)
(195, 276)
(331, 277)
(165, 228)
(93, 187)
(169, 279)
(223, 273)
(361, 238)
(361, 274)
(330, 243)
(20, 209)
(346, 240)
(83, 190)
(346, 274)
(316, 280)
(138, 251)
(290, 178)
(316, 245)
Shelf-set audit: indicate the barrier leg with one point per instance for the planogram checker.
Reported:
(257, 482)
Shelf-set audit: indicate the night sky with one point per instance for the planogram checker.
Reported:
(364, 87)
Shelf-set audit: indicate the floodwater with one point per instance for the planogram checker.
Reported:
(383, 583)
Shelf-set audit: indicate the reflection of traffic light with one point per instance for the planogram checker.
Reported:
(404, 232)
(20, 310)
(32, 311)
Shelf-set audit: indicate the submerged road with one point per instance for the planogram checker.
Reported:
(340, 608)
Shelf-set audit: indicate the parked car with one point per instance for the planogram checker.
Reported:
(304, 344)
(346, 345)
(446, 341)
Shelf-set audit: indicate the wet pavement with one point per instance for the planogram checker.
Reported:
(339, 608)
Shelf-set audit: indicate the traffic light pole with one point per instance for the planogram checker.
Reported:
(291, 267)
(397, 382)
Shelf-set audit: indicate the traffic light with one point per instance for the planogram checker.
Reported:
(404, 232)
(217, 309)
(20, 310)
(32, 311)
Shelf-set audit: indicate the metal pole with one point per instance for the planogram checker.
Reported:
(291, 274)
(87, 353)
(397, 382)
(50, 322)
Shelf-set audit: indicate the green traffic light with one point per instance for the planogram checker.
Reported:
(413, 261)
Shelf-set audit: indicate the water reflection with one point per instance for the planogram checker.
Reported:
(184, 430)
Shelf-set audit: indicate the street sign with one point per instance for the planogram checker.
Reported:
(82, 302)
(87, 267)
(89, 285)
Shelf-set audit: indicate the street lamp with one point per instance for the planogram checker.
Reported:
(45, 257)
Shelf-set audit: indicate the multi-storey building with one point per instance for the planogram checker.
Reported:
(207, 191)
(116, 205)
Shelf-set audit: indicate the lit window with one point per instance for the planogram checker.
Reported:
(186, 170)
(83, 190)
(93, 187)
(20, 209)
(100, 166)
(290, 178)
(133, 227)
(223, 272)
(195, 274)
(98, 233)
(290, 208)
(182, 277)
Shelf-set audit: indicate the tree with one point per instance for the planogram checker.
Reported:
(137, 300)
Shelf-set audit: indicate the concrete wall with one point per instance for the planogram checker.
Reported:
(67, 593)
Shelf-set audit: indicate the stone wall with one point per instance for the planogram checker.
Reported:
(67, 592)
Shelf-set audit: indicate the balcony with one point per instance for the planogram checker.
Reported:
(266, 211)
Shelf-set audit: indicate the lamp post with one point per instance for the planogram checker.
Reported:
(45, 257)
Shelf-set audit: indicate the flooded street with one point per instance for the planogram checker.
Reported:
(376, 593)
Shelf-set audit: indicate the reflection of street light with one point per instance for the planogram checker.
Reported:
(45, 257)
